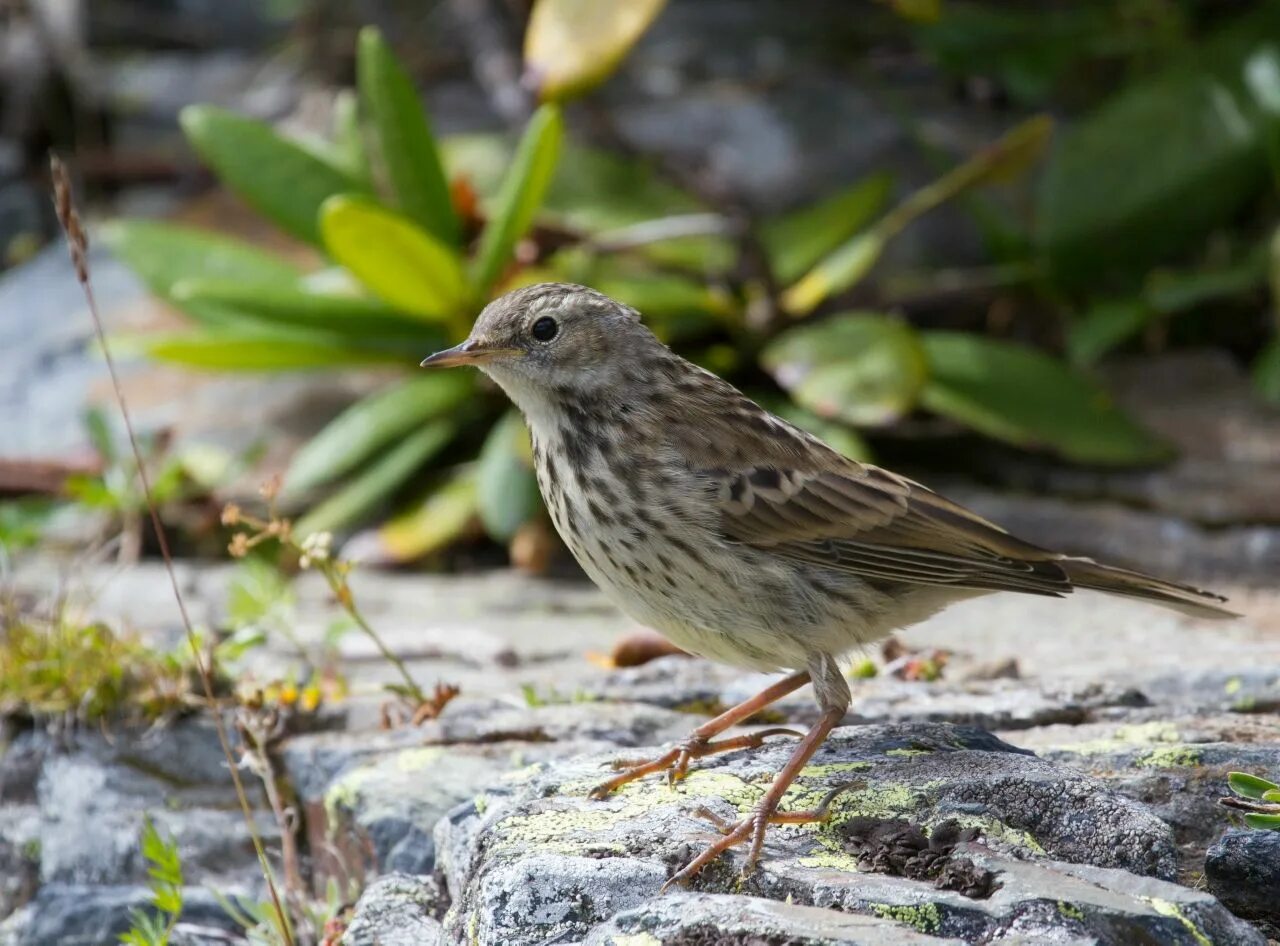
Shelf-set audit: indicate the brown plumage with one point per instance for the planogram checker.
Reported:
(736, 534)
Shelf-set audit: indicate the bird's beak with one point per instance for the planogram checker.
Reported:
(470, 352)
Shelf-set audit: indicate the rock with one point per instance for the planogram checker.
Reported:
(1243, 871)
(1176, 765)
(722, 920)
(703, 687)
(397, 910)
(92, 815)
(536, 860)
(376, 797)
(19, 856)
(76, 915)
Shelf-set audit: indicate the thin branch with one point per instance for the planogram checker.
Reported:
(78, 245)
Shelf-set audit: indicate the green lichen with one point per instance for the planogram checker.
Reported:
(481, 803)
(634, 939)
(416, 760)
(344, 793)
(925, 917)
(1169, 908)
(1124, 737)
(831, 768)
(995, 830)
(1170, 757)
(907, 753)
(1070, 911)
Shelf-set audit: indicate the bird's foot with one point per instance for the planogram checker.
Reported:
(676, 761)
(751, 828)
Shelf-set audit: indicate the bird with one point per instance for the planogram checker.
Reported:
(739, 536)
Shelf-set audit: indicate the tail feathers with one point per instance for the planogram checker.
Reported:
(1086, 573)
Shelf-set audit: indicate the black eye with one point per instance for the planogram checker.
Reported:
(545, 329)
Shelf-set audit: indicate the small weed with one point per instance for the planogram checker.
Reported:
(164, 867)
(1258, 798)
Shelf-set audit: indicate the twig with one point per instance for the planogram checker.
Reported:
(78, 246)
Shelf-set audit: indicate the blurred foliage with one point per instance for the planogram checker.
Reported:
(1149, 211)
(1257, 797)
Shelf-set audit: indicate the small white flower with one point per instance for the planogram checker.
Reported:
(315, 548)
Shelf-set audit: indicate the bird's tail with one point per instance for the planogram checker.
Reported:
(1086, 573)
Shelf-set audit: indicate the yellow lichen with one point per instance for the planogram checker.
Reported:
(1169, 908)
(925, 917)
(1170, 757)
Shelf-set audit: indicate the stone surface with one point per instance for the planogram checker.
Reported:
(1243, 870)
(397, 910)
(76, 915)
(723, 920)
(533, 859)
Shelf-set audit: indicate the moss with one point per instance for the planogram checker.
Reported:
(480, 803)
(708, 707)
(1170, 757)
(31, 849)
(1169, 908)
(1070, 911)
(925, 917)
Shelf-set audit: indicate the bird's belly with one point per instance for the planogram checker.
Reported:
(666, 567)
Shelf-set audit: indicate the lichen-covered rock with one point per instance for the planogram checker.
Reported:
(397, 910)
(372, 800)
(1176, 765)
(19, 856)
(533, 859)
(1243, 869)
(725, 920)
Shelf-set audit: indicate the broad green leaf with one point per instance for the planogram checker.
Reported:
(1024, 397)
(860, 368)
(164, 254)
(404, 138)
(796, 242)
(1165, 160)
(234, 351)
(1262, 822)
(572, 45)
(522, 193)
(277, 177)
(401, 264)
(1271, 795)
(439, 520)
(844, 268)
(292, 306)
(506, 487)
(1266, 373)
(1103, 326)
(376, 483)
(373, 422)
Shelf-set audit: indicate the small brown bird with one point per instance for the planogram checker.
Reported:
(739, 536)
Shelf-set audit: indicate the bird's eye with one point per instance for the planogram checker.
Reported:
(545, 329)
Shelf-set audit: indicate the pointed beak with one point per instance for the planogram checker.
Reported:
(470, 352)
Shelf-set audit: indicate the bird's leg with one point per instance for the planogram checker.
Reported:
(833, 696)
(699, 743)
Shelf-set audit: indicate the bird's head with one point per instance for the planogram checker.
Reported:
(551, 337)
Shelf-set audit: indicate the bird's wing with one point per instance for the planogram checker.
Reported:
(873, 523)
(779, 489)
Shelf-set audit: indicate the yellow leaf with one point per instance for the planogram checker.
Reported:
(572, 45)
(398, 262)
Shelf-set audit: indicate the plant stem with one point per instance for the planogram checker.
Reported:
(342, 591)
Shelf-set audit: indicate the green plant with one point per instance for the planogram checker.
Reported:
(164, 868)
(1257, 797)
(418, 233)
